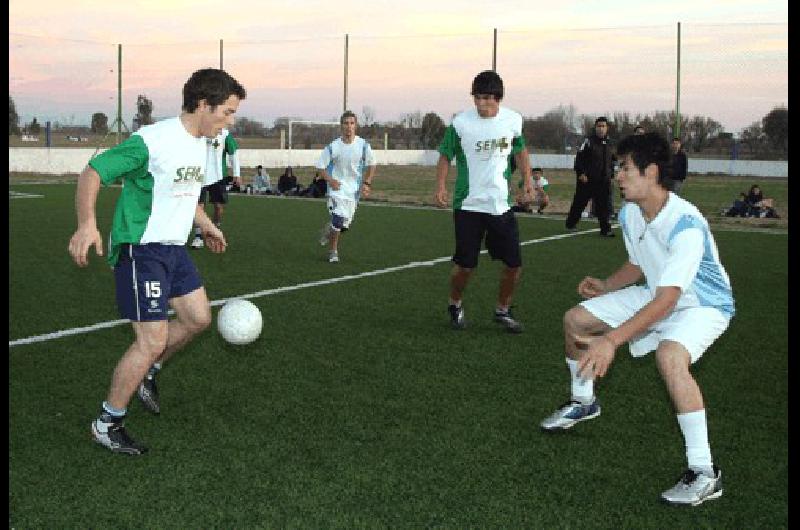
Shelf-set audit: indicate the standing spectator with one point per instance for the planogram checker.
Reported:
(679, 167)
(342, 164)
(162, 167)
(594, 168)
(683, 306)
(484, 141)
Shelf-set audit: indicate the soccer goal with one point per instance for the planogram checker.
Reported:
(311, 133)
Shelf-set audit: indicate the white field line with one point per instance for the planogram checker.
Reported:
(269, 292)
(20, 195)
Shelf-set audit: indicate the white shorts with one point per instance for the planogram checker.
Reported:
(344, 210)
(694, 328)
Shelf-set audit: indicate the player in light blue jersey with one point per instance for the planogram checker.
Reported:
(342, 164)
(684, 305)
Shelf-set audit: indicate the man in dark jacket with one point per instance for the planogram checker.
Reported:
(594, 167)
(679, 167)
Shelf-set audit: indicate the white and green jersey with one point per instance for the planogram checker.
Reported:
(346, 163)
(219, 148)
(162, 168)
(484, 149)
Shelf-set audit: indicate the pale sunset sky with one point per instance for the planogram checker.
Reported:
(405, 56)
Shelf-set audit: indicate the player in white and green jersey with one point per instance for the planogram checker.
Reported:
(162, 168)
(487, 144)
(217, 168)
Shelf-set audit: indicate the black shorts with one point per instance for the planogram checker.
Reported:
(502, 238)
(216, 193)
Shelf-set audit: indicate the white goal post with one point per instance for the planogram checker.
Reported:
(306, 122)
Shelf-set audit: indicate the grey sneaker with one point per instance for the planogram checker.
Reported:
(333, 257)
(325, 235)
(569, 414)
(457, 316)
(508, 321)
(148, 394)
(694, 488)
(117, 440)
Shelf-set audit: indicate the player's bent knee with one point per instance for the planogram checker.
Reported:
(672, 359)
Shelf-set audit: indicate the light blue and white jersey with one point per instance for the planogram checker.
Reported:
(677, 249)
(346, 163)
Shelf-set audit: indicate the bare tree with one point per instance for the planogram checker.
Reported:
(367, 116)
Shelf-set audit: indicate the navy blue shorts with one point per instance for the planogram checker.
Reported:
(149, 275)
(501, 233)
(217, 193)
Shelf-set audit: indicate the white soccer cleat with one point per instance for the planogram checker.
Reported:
(694, 488)
(333, 257)
(197, 242)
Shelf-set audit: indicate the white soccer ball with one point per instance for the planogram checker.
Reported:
(239, 321)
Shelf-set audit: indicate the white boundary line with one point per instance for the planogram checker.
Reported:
(20, 195)
(269, 292)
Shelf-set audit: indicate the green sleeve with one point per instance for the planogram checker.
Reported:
(517, 144)
(451, 143)
(230, 145)
(129, 157)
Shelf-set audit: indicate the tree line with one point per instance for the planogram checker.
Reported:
(559, 130)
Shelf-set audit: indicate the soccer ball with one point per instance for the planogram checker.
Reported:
(239, 321)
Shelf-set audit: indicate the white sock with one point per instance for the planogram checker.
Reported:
(695, 435)
(582, 389)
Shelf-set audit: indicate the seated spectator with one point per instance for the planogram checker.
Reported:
(261, 183)
(318, 187)
(759, 206)
(540, 198)
(287, 183)
(739, 208)
(540, 185)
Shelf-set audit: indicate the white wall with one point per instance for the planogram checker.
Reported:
(72, 160)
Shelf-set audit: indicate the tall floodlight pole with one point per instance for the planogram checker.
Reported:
(346, 42)
(220, 54)
(494, 52)
(119, 91)
(678, 90)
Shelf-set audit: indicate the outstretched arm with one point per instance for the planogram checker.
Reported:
(87, 233)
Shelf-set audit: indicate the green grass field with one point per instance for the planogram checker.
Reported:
(358, 407)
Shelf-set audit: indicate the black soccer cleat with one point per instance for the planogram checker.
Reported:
(508, 321)
(456, 316)
(117, 440)
(148, 394)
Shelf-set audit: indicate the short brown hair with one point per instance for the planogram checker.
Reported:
(348, 114)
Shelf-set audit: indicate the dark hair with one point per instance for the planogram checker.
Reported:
(536, 169)
(676, 139)
(646, 149)
(211, 84)
(348, 114)
(601, 119)
(488, 82)
(259, 166)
